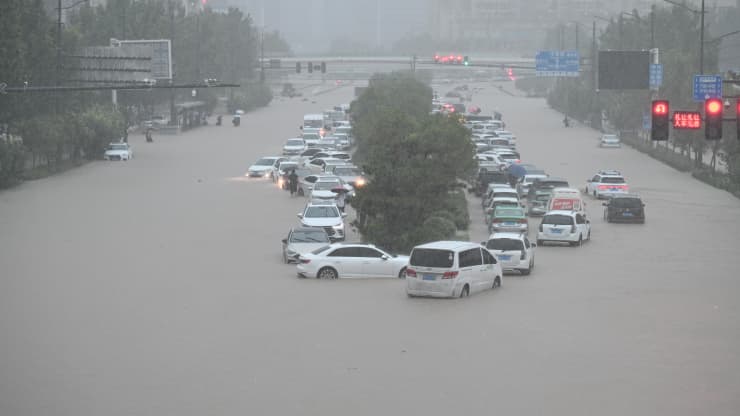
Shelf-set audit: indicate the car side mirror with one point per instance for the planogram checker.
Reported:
(643, 205)
(300, 215)
(384, 257)
(533, 244)
(285, 241)
(483, 243)
(604, 204)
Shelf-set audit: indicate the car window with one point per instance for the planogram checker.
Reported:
(527, 244)
(345, 252)
(612, 180)
(321, 249)
(326, 185)
(626, 203)
(508, 244)
(312, 236)
(557, 219)
(431, 257)
(580, 219)
(368, 252)
(294, 142)
(488, 257)
(469, 258)
(595, 178)
(264, 162)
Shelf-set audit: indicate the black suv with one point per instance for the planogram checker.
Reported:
(624, 208)
(488, 176)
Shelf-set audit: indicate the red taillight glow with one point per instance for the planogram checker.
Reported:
(522, 221)
(449, 275)
(410, 273)
(305, 261)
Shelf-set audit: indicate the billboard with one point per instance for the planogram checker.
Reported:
(161, 55)
(624, 70)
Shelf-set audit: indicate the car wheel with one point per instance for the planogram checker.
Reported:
(595, 195)
(588, 237)
(579, 242)
(300, 192)
(402, 273)
(285, 258)
(327, 273)
(465, 292)
(496, 282)
(540, 242)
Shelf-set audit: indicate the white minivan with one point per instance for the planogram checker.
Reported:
(451, 269)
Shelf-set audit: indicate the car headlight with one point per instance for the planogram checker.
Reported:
(291, 252)
(360, 182)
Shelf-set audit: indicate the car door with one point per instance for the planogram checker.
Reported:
(373, 263)
(593, 184)
(471, 263)
(346, 261)
(488, 270)
(581, 225)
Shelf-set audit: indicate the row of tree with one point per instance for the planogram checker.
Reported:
(675, 32)
(416, 163)
(48, 127)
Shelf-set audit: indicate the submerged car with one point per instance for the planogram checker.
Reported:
(624, 208)
(118, 151)
(351, 260)
(514, 251)
(302, 240)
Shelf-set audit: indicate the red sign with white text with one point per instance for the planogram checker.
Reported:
(686, 120)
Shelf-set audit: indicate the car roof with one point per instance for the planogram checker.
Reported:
(514, 236)
(609, 172)
(561, 212)
(294, 229)
(448, 245)
(551, 179)
(566, 191)
(321, 202)
(626, 196)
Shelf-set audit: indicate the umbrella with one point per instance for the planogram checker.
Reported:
(517, 170)
(339, 190)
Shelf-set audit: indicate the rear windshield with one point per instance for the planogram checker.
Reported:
(326, 185)
(508, 244)
(430, 257)
(612, 180)
(294, 142)
(508, 212)
(550, 185)
(626, 203)
(342, 171)
(312, 236)
(558, 220)
(505, 195)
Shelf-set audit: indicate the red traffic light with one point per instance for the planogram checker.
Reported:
(660, 107)
(713, 106)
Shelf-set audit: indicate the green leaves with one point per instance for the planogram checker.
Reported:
(415, 162)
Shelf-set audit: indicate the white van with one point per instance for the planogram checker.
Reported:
(566, 199)
(451, 269)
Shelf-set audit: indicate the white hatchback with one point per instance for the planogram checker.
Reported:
(514, 251)
(564, 226)
(451, 269)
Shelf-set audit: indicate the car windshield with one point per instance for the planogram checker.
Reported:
(312, 236)
(557, 219)
(326, 185)
(551, 185)
(311, 136)
(326, 211)
(294, 142)
(612, 180)
(118, 147)
(506, 244)
(291, 165)
(505, 195)
(342, 171)
(265, 162)
(626, 203)
(429, 257)
(542, 197)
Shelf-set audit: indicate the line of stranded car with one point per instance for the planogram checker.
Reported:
(441, 268)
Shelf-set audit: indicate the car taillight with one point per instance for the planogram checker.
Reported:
(449, 275)
(497, 220)
(602, 187)
(522, 221)
(410, 273)
(304, 261)
(572, 229)
(524, 255)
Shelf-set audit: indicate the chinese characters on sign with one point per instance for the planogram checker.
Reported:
(686, 120)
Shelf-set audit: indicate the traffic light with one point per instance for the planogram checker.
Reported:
(713, 114)
(310, 67)
(297, 67)
(659, 129)
(466, 61)
(323, 67)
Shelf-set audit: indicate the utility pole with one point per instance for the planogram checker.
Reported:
(593, 56)
(173, 110)
(262, 56)
(58, 77)
(577, 36)
(701, 36)
(652, 26)
(621, 33)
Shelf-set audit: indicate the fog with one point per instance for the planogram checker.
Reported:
(320, 26)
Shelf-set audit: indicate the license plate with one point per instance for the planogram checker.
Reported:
(509, 224)
(502, 258)
(556, 231)
(626, 214)
(429, 277)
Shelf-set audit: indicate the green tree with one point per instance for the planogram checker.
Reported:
(415, 161)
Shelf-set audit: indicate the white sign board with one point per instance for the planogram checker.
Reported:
(161, 63)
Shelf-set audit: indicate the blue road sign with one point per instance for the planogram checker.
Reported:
(647, 123)
(557, 63)
(707, 86)
(656, 76)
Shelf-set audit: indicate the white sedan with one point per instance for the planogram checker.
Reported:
(118, 151)
(351, 260)
(514, 251)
